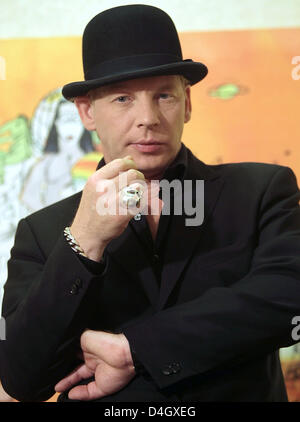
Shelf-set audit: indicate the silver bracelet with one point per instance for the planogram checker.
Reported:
(72, 242)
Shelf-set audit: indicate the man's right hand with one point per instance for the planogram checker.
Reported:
(92, 229)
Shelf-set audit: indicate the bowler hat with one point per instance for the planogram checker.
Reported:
(129, 42)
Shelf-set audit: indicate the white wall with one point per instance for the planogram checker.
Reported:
(47, 18)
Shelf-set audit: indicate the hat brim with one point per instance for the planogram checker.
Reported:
(193, 71)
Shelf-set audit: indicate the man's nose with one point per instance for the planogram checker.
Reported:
(147, 114)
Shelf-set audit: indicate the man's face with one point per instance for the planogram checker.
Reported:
(143, 118)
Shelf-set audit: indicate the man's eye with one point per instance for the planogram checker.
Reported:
(122, 99)
(165, 96)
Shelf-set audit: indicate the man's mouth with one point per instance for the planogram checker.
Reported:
(147, 142)
(147, 145)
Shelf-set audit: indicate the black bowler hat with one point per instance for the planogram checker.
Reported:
(129, 42)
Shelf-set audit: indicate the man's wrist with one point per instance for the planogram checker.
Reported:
(91, 250)
(138, 366)
(73, 242)
(95, 267)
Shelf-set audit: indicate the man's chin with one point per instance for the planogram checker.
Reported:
(154, 174)
(152, 166)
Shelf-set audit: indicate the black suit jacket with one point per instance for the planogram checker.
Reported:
(229, 290)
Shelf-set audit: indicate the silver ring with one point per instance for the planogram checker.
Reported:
(130, 197)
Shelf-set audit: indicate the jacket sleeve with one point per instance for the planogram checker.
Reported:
(43, 299)
(229, 325)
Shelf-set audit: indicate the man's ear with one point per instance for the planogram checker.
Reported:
(85, 109)
(188, 105)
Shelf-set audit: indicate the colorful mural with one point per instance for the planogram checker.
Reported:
(43, 158)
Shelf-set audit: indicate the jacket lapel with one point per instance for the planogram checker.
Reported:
(182, 239)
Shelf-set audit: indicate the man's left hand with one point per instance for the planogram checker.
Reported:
(107, 357)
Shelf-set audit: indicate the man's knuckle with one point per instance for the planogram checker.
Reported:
(132, 172)
(119, 162)
(135, 174)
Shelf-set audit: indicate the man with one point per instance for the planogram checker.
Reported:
(151, 308)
